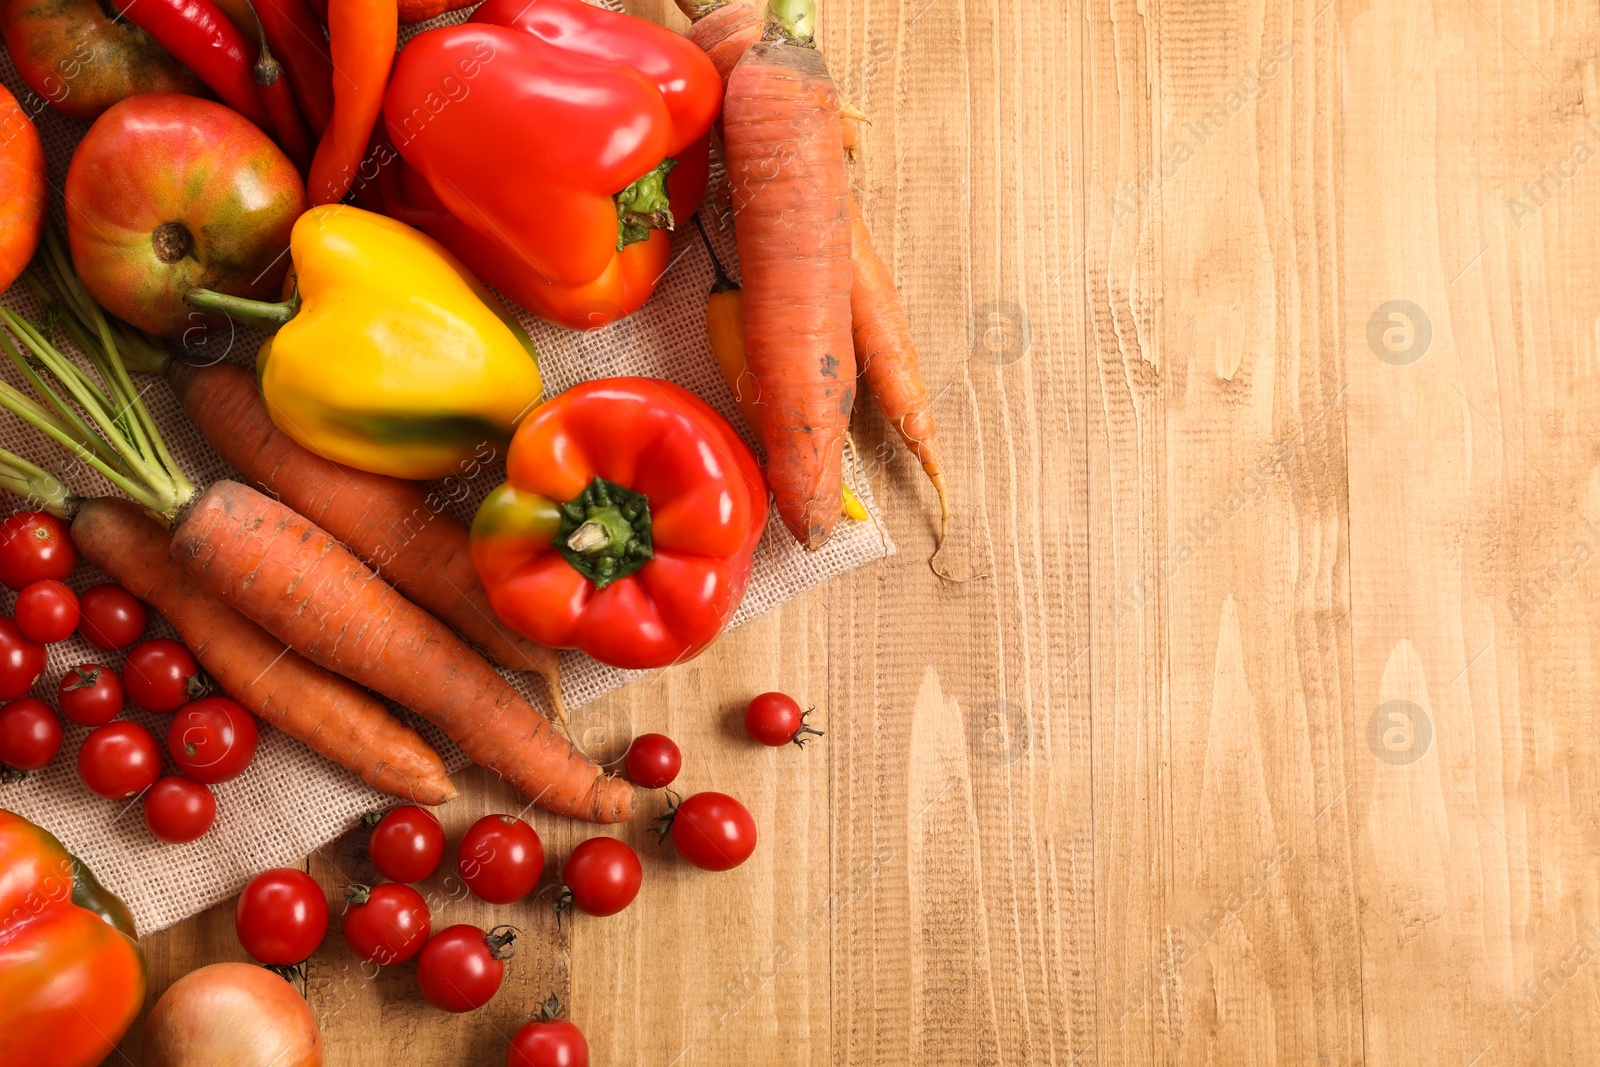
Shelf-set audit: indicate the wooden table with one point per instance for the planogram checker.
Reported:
(1264, 339)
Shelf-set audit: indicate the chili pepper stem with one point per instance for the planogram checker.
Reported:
(266, 314)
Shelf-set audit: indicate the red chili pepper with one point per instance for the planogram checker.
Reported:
(362, 35)
(287, 124)
(206, 41)
(295, 34)
(626, 526)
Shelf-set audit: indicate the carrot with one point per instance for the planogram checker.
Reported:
(328, 713)
(725, 31)
(306, 589)
(889, 362)
(792, 221)
(392, 524)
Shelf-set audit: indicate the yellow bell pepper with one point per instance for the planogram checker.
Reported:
(389, 355)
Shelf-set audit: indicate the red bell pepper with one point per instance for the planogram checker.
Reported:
(626, 526)
(604, 118)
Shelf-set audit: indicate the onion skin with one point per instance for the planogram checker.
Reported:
(232, 1015)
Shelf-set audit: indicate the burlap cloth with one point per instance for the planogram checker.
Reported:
(290, 800)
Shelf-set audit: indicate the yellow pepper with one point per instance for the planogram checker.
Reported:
(389, 355)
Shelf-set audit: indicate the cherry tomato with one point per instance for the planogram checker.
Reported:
(30, 734)
(90, 695)
(162, 676)
(548, 1042)
(713, 831)
(462, 967)
(112, 617)
(21, 660)
(500, 859)
(653, 761)
(212, 740)
(34, 546)
(179, 810)
(119, 760)
(775, 719)
(602, 876)
(387, 923)
(407, 844)
(47, 611)
(281, 916)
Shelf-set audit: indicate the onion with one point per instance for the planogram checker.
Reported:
(232, 1015)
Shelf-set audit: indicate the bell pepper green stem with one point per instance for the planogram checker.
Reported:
(644, 206)
(792, 21)
(605, 532)
(263, 313)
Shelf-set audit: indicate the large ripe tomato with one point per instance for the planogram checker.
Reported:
(82, 57)
(500, 859)
(71, 979)
(713, 831)
(169, 192)
(35, 546)
(21, 660)
(281, 916)
(407, 844)
(212, 740)
(602, 876)
(387, 923)
(462, 967)
(22, 189)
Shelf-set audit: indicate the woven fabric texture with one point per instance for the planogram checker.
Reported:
(291, 801)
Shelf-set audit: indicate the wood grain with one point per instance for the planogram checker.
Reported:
(1263, 335)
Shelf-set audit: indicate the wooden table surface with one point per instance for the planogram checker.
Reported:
(1266, 368)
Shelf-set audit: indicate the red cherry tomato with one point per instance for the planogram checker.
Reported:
(407, 844)
(90, 695)
(212, 740)
(713, 831)
(281, 916)
(776, 719)
(162, 676)
(21, 660)
(179, 810)
(602, 876)
(119, 760)
(387, 923)
(30, 734)
(500, 859)
(47, 611)
(653, 761)
(112, 617)
(34, 546)
(462, 967)
(548, 1042)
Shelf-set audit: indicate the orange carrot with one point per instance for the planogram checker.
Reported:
(392, 524)
(724, 31)
(792, 221)
(888, 358)
(306, 589)
(328, 713)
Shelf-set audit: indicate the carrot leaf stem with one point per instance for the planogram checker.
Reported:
(793, 21)
(37, 486)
